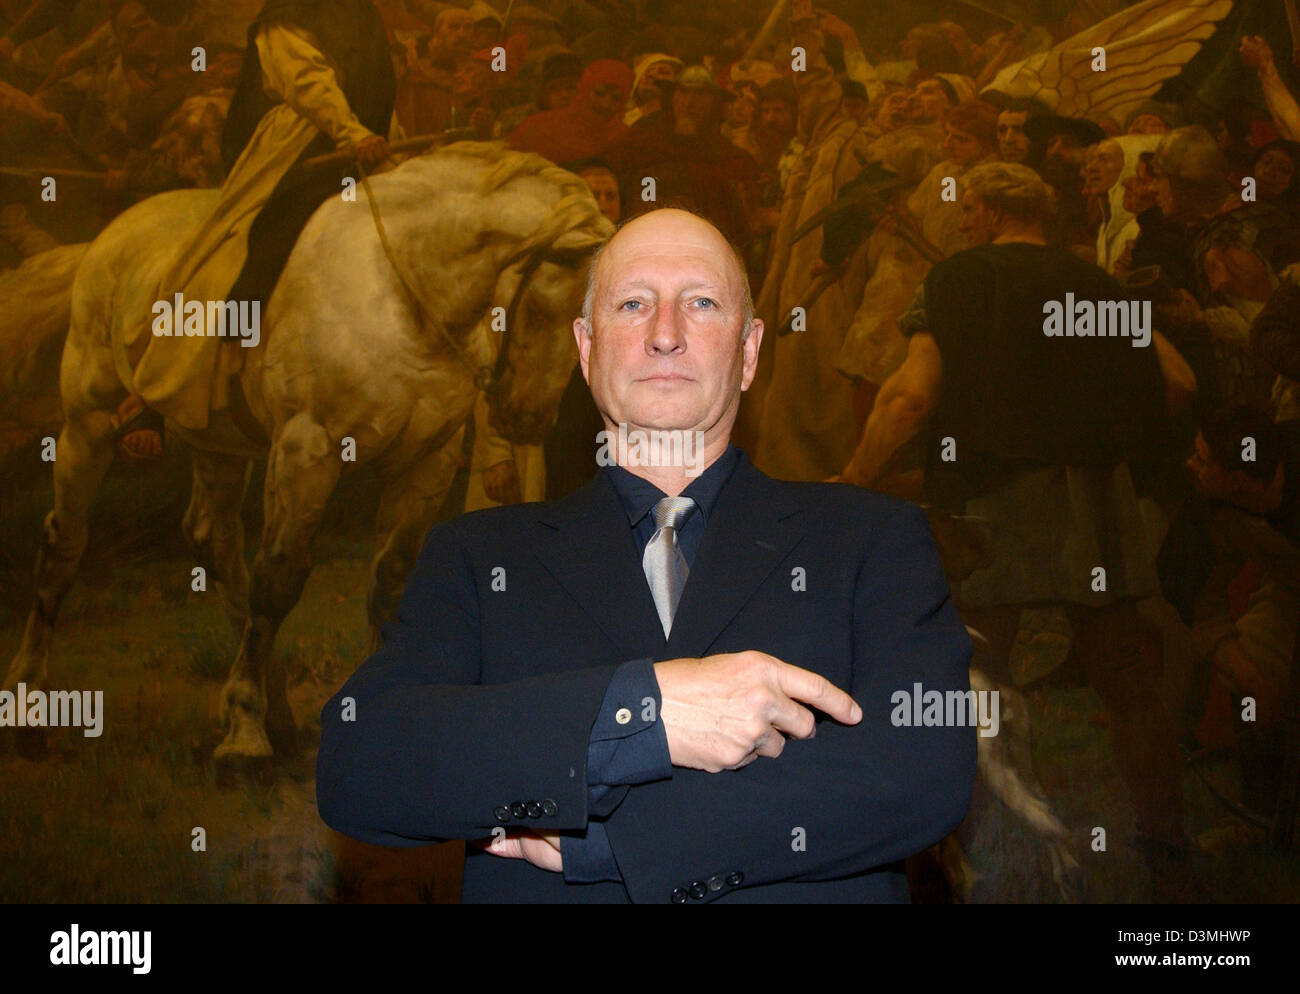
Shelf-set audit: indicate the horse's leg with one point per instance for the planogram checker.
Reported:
(407, 509)
(214, 527)
(301, 472)
(82, 456)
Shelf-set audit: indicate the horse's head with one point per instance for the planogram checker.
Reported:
(541, 289)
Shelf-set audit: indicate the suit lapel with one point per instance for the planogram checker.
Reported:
(587, 546)
(752, 528)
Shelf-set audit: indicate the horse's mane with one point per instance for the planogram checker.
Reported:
(511, 164)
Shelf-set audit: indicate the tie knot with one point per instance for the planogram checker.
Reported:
(672, 511)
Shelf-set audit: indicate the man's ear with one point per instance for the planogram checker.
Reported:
(583, 341)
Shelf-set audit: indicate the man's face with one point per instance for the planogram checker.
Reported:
(1102, 164)
(1013, 143)
(979, 223)
(961, 147)
(691, 109)
(454, 31)
(1147, 124)
(1273, 172)
(1065, 151)
(856, 108)
(666, 350)
(605, 100)
(895, 110)
(604, 187)
(661, 72)
(777, 118)
(1139, 190)
(931, 100)
(559, 92)
(1208, 476)
(739, 112)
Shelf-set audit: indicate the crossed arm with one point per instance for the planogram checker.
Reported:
(431, 755)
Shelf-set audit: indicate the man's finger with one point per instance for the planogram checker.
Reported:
(812, 688)
(796, 721)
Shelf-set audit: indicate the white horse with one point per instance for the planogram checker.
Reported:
(386, 348)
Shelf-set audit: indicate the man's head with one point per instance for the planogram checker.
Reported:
(1218, 465)
(1000, 196)
(602, 182)
(1013, 143)
(603, 88)
(933, 99)
(697, 103)
(970, 132)
(1191, 174)
(777, 108)
(895, 109)
(452, 33)
(667, 337)
(1102, 165)
(1275, 169)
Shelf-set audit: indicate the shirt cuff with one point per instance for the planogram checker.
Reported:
(628, 743)
(589, 859)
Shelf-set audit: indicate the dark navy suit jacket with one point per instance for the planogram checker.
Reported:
(500, 674)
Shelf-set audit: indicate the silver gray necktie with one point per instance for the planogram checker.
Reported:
(665, 566)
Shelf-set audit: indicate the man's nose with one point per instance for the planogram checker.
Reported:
(666, 334)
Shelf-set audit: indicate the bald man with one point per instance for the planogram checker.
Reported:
(682, 683)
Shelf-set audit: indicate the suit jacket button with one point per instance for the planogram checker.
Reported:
(679, 896)
(534, 809)
(502, 812)
(715, 882)
(549, 808)
(699, 890)
(519, 809)
(735, 879)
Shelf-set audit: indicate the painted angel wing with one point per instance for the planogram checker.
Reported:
(1145, 45)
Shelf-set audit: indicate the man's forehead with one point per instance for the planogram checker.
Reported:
(640, 256)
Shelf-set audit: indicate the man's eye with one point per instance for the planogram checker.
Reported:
(626, 302)
(710, 301)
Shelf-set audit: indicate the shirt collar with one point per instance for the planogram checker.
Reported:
(639, 495)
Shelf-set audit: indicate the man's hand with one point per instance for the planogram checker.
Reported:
(371, 151)
(541, 850)
(722, 712)
(501, 482)
(1256, 54)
